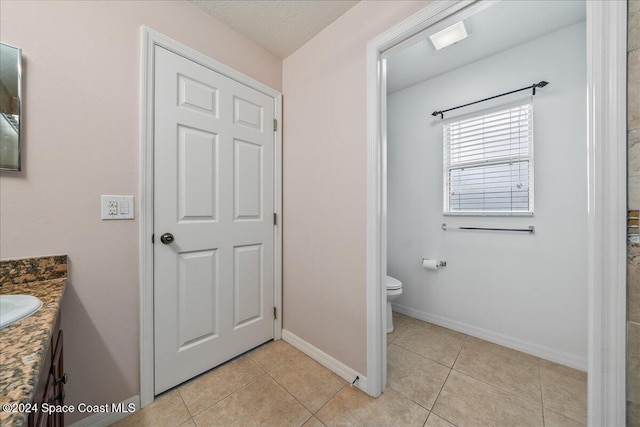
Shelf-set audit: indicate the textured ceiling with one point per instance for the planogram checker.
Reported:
(281, 27)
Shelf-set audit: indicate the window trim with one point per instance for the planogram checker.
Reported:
(446, 211)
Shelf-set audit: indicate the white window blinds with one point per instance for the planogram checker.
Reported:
(488, 163)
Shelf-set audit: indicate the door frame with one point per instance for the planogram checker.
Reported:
(149, 40)
(607, 200)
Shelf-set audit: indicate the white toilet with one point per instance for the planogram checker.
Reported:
(394, 289)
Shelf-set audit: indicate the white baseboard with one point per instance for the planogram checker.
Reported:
(105, 419)
(543, 352)
(325, 360)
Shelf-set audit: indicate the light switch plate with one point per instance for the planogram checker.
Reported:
(116, 207)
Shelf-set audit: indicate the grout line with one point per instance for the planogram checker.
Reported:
(542, 395)
(399, 334)
(440, 392)
(409, 398)
(477, 379)
(520, 398)
(230, 394)
(459, 353)
(452, 368)
(498, 386)
(426, 419)
(258, 366)
(307, 420)
(325, 403)
(567, 417)
(428, 325)
(437, 327)
(447, 379)
(440, 416)
(424, 357)
(297, 400)
(281, 361)
(214, 369)
(187, 408)
(291, 394)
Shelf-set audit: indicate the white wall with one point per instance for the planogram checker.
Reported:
(525, 291)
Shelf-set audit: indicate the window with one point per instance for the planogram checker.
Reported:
(488, 163)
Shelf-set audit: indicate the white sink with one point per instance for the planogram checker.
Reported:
(16, 307)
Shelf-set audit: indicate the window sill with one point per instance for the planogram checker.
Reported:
(493, 214)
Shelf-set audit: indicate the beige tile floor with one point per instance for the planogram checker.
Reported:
(436, 378)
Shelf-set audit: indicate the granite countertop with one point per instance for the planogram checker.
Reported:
(23, 344)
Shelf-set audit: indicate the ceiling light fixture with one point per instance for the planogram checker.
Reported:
(449, 35)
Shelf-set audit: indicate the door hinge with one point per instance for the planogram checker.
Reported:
(275, 218)
(275, 124)
(275, 313)
(153, 238)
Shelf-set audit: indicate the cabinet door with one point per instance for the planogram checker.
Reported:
(43, 419)
(50, 385)
(44, 382)
(57, 369)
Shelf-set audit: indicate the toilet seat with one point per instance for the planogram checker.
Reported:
(392, 292)
(393, 283)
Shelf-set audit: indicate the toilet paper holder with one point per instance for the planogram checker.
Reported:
(440, 263)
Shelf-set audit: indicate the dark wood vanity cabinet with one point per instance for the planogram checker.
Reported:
(50, 385)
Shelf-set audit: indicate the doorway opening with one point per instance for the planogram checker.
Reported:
(603, 218)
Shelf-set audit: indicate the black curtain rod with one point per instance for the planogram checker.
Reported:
(533, 87)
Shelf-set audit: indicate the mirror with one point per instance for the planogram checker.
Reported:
(10, 106)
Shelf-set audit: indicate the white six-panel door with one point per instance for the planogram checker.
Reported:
(213, 192)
